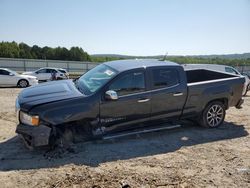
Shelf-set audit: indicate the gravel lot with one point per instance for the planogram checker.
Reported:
(189, 156)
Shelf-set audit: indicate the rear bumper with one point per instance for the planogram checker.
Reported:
(34, 136)
(238, 105)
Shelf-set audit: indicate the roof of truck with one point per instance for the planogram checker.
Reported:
(123, 65)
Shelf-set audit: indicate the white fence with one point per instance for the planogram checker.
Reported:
(22, 65)
(78, 67)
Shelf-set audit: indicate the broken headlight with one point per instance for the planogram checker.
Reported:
(28, 119)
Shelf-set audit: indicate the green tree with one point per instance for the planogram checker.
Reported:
(9, 49)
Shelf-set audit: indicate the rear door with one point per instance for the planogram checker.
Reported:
(133, 104)
(50, 73)
(168, 92)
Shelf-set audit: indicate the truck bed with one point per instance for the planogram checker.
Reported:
(201, 75)
(207, 85)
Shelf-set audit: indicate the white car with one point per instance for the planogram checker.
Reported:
(12, 78)
(222, 68)
(48, 73)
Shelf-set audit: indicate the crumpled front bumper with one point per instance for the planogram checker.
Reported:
(34, 136)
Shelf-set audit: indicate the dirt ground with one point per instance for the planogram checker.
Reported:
(189, 156)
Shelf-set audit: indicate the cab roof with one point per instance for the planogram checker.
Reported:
(123, 65)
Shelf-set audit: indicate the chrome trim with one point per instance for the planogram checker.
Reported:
(111, 95)
(177, 94)
(140, 132)
(143, 100)
(149, 91)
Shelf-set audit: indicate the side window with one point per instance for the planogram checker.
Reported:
(164, 78)
(41, 71)
(62, 71)
(4, 72)
(50, 71)
(129, 83)
(230, 70)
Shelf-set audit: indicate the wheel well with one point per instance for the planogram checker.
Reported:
(83, 126)
(222, 100)
(76, 132)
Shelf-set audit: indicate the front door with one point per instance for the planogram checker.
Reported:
(41, 74)
(6, 79)
(133, 104)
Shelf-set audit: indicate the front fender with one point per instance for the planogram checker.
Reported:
(73, 110)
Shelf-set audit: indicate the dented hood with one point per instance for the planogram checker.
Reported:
(47, 93)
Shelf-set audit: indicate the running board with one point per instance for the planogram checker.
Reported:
(118, 135)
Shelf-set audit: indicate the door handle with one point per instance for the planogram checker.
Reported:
(177, 94)
(143, 100)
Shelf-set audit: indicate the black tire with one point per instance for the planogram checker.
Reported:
(213, 115)
(23, 83)
(63, 137)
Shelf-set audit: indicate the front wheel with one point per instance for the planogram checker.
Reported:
(213, 115)
(23, 83)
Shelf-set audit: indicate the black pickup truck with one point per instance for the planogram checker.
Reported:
(125, 95)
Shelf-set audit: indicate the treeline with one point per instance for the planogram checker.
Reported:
(102, 59)
(22, 50)
(182, 59)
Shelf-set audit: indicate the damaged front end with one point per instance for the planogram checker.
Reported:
(31, 130)
(34, 136)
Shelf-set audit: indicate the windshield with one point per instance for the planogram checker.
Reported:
(13, 72)
(95, 78)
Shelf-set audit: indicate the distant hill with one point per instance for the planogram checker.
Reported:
(227, 56)
(225, 59)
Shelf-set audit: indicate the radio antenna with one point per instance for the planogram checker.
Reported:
(165, 56)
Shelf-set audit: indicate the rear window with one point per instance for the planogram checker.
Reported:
(41, 71)
(163, 78)
(51, 71)
(230, 70)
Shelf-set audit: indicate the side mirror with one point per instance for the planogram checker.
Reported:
(11, 74)
(111, 95)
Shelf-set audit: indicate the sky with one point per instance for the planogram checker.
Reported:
(130, 27)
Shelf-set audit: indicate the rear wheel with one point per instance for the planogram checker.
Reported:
(213, 115)
(23, 83)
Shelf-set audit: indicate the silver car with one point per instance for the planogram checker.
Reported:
(49, 73)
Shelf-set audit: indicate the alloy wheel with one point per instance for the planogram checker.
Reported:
(215, 115)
